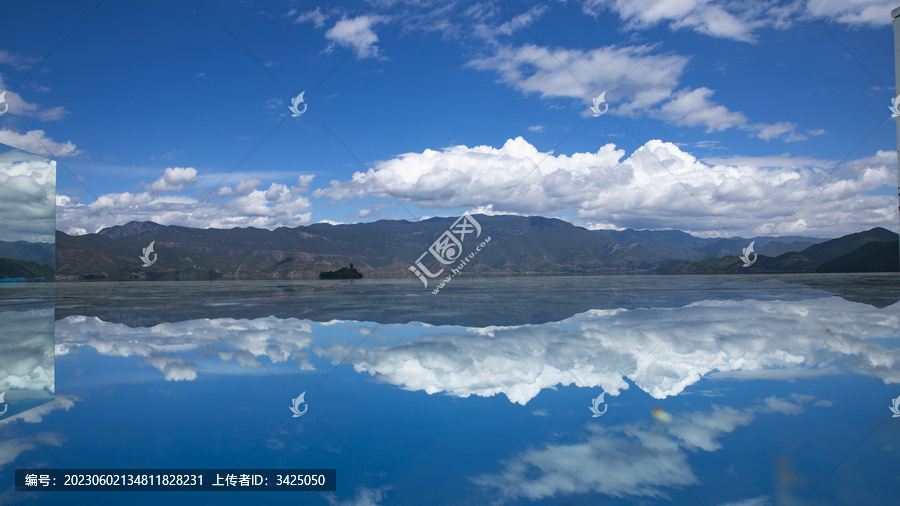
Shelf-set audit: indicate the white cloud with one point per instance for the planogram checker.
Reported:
(693, 108)
(536, 128)
(701, 430)
(490, 32)
(18, 106)
(10, 449)
(315, 16)
(729, 19)
(248, 185)
(626, 461)
(784, 129)
(174, 179)
(658, 186)
(174, 368)
(784, 161)
(27, 197)
(36, 141)
(738, 20)
(356, 34)
(303, 182)
(611, 462)
(37, 414)
(606, 348)
(245, 206)
(854, 12)
(167, 346)
(533, 69)
(17, 60)
(637, 81)
(27, 361)
(364, 497)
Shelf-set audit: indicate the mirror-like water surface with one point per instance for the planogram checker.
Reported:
(715, 390)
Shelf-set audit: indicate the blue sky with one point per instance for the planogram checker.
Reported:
(723, 119)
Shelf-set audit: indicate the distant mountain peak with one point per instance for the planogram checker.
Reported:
(131, 229)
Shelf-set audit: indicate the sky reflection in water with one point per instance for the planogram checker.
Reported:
(768, 392)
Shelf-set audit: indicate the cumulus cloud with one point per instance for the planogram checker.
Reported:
(174, 368)
(27, 197)
(658, 350)
(357, 34)
(657, 182)
(171, 348)
(174, 179)
(36, 141)
(627, 461)
(27, 362)
(278, 205)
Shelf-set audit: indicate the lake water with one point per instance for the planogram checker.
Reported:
(730, 390)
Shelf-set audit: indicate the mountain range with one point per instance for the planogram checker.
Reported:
(26, 260)
(387, 248)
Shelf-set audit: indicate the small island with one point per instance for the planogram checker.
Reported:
(342, 273)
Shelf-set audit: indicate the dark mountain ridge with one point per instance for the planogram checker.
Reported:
(387, 248)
